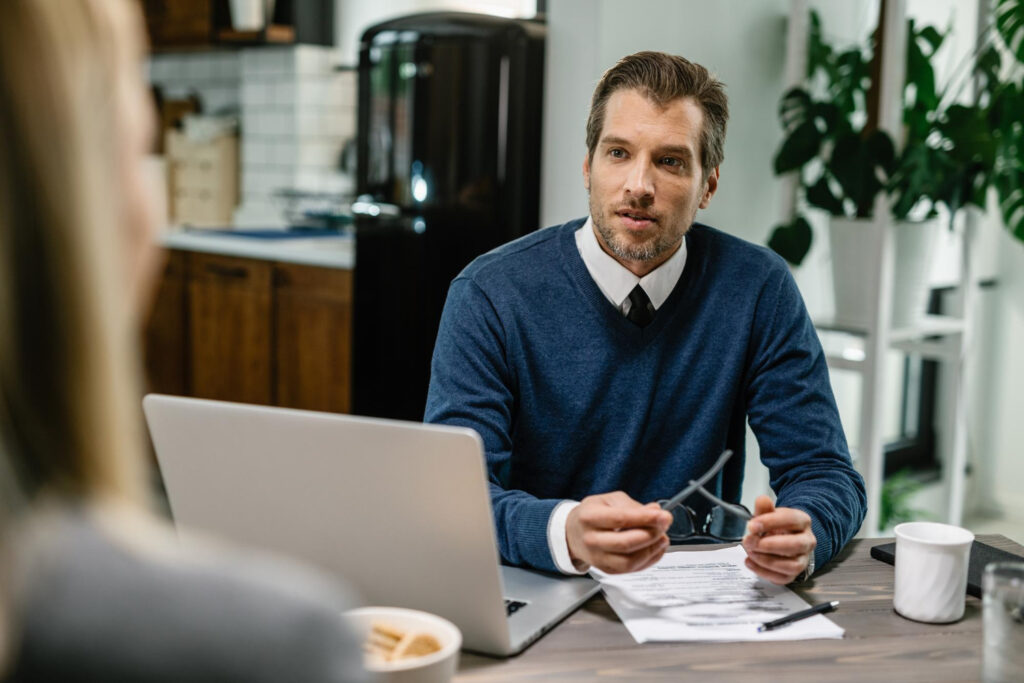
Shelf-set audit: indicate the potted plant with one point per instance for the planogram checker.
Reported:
(952, 155)
(963, 150)
(844, 162)
(898, 491)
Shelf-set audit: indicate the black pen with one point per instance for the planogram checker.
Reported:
(797, 616)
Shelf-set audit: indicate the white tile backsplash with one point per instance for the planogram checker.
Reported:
(284, 154)
(285, 122)
(226, 66)
(255, 93)
(283, 91)
(310, 124)
(282, 178)
(314, 60)
(255, 152)
(322, 156)
(197, 68)
(295, 111)
(313, 91)
(340, 123)
(308, 180)
(213, 77)
(220, 99)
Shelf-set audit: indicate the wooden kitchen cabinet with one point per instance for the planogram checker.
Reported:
(252, 331)
(313, 334)
(230, 323)
(165, 331)
(203, 24)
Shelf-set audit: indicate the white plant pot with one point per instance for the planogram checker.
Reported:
(855, 273)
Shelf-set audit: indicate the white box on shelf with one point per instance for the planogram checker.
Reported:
(202, 179)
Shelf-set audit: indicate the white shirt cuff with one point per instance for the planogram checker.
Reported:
(556, 537)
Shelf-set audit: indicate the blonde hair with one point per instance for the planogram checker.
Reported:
(69, 416)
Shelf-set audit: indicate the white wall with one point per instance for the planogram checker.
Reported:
(1000, 417)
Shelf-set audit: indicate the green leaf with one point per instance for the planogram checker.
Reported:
(819, 55)
(1005, 123)
(969, 134)
(829, 119)
(931, 35)
(800, 117)
(860, 166)
(820, 195)
(1011, 202)
(794, 108)
(897, 489)
(988, 65)
(1010, 24)
(920, 74)
(849, 79)
(920, 175)
(792, 240)
(798, 148)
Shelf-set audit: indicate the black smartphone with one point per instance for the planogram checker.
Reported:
(981, 554)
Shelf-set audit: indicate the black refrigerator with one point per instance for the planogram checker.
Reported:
(448, 167)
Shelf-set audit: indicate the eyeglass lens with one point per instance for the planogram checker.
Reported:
(725, 523)
(722, 523)
(682, 524)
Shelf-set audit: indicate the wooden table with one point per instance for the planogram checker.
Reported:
(880, 645)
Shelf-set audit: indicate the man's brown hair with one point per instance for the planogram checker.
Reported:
(662, 78)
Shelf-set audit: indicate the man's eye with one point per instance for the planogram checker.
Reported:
(671, 161)
(616, 153)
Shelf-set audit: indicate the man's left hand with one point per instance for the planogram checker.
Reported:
(779, 541)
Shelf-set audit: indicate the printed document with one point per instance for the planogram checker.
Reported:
(707, 596)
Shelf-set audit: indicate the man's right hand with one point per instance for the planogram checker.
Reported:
(614, 533)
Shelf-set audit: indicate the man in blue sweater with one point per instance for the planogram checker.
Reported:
(609, 361)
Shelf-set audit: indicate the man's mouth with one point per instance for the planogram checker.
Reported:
(636, 219)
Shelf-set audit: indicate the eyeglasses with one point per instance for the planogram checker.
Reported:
(726, 522)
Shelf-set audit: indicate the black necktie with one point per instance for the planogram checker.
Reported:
(641, 310)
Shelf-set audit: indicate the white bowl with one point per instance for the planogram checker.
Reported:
(437, 667)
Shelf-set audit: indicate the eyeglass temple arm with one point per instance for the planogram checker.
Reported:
(738, 510)
(674, 502)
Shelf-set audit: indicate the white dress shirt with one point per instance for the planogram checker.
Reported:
(616, 282)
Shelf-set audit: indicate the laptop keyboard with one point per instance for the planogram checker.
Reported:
(513, 606)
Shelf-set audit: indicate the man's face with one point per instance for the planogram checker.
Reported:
(645, 179)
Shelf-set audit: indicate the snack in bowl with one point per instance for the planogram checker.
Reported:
(388, 643)
(397, 642)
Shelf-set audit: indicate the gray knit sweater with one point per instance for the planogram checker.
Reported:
(92, 606)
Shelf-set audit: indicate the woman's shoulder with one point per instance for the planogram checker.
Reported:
(117, 596)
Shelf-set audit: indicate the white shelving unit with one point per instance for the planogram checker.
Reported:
(942, 338)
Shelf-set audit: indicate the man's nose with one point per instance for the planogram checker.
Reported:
(640, 179)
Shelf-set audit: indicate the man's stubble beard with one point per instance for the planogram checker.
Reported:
(646, 251)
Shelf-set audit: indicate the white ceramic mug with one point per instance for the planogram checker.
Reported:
(251, 15)
(931, 571)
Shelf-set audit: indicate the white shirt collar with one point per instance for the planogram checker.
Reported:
(616, 281)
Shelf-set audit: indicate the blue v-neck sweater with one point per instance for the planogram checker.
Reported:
(572, 399)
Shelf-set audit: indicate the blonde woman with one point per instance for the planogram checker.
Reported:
(92, 588)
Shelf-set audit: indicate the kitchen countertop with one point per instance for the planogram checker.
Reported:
(328, 251)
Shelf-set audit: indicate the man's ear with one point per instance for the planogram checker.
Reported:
(586, 172)
(710, 187)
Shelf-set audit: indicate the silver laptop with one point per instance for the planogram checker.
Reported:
(400, 510)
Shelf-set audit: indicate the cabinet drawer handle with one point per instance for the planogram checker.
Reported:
(227, 271)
